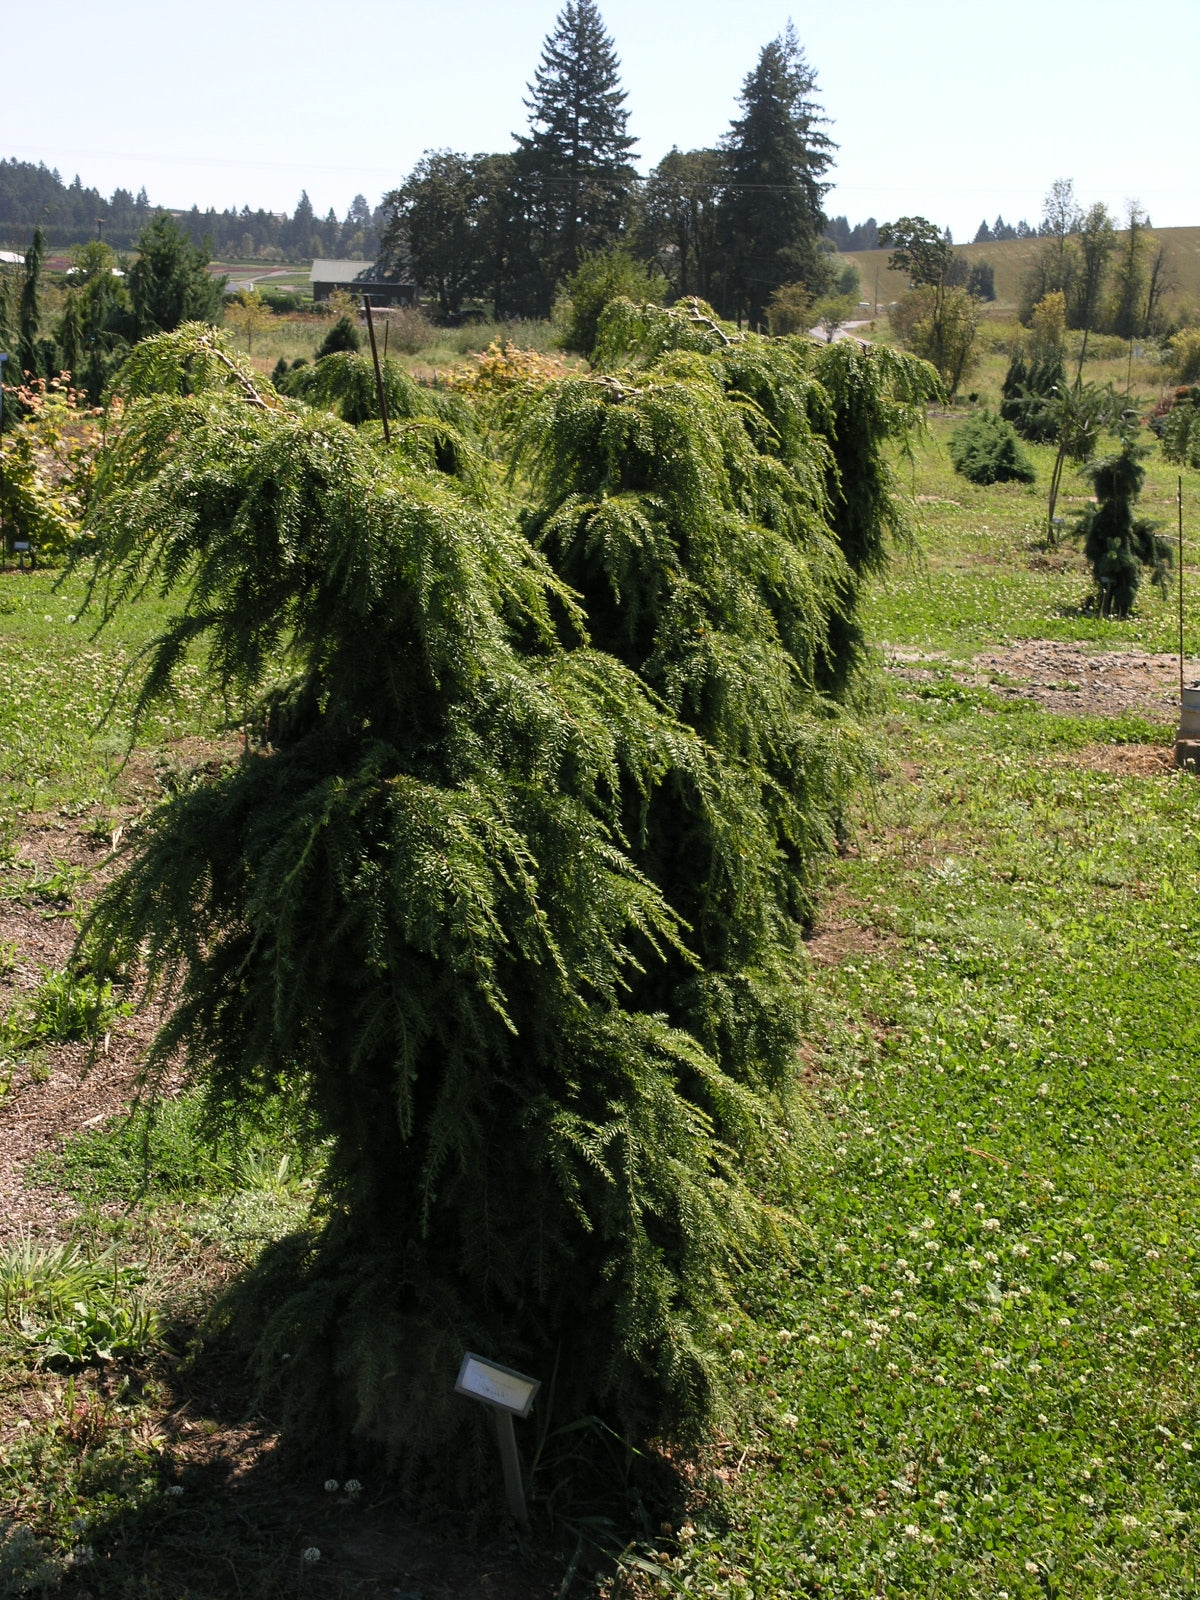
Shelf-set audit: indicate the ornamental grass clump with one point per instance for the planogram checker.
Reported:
(506, 900)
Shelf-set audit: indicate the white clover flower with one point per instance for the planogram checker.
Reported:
(737, 1355)
(979, 1208)
(1034, 1368)
(982, 1388)
(939, 1381)
(1031, 1566)
(1129, 1523)
(789, 1419)
(1086, 1500)
(932, 1244)
(1099, 1266)
(1020, 1251)
(990, 1224)
(911, 1316)
(941, 1499)
(175, 1489)
(991, 1258)
(331, 1486)
(353, 1486)
(911, 1531)
(955, 1197)
(1043, 1419)
(312, 1555)
(1152, 1255)
(1043, 1089)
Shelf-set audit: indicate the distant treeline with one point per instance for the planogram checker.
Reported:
(69, 212)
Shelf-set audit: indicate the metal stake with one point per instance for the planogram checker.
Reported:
(1179, 498)
(387, 436)
(514, 1490)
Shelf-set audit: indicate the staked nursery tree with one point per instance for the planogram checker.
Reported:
(1119, 545)
(507, 901)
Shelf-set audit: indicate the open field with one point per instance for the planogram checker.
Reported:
(1011, 257)
(978, 1378)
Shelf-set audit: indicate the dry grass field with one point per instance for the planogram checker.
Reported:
(1011, 257)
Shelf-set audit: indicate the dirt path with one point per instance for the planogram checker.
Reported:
(1060, 677)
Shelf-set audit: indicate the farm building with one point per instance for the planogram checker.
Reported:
(360, 277)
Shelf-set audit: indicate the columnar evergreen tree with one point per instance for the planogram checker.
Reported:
(29, 307)
(775, 155)
(575, 179)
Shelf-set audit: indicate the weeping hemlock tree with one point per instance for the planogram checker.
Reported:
(509, 903)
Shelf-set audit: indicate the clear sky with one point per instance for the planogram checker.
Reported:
(956, 109)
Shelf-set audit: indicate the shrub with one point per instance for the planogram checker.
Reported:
(1028, 394)
(344, 335)
(789, 310)
(410, 330)
(1184, 364)
(595, 283)
(985, 449)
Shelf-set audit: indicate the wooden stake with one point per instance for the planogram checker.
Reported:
(387, 434)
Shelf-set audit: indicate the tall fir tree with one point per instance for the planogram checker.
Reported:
(574, 175)
(775, 156)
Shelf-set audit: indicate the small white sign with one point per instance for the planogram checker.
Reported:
(496, 1385)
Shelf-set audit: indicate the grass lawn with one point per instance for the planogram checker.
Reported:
(976, 1378)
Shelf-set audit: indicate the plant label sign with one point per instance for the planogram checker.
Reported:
(496, 1385)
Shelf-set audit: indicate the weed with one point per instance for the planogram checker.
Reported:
(65, 1006)
(72, 1308)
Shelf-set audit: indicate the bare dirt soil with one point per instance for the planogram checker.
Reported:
(1061, 677)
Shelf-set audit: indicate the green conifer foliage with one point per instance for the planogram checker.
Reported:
(415, 913)
(696, 502)
(775, 156)
(1118, 544)
(573, 171)
(29, 308)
